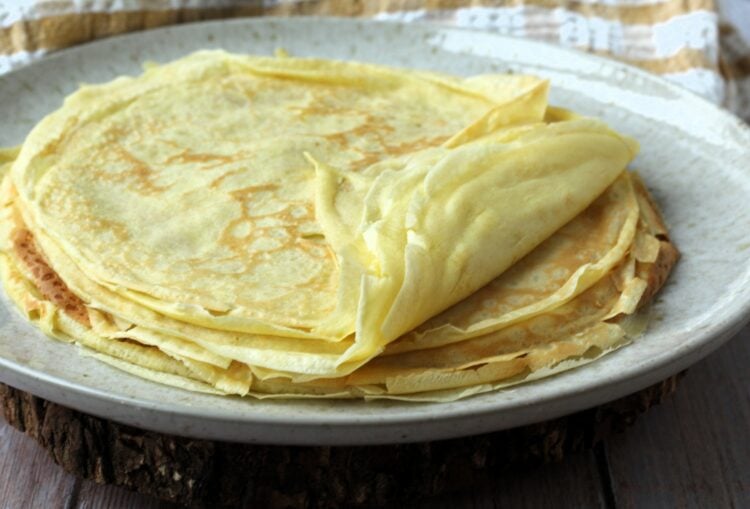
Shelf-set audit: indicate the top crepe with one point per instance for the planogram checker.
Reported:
(307, 211)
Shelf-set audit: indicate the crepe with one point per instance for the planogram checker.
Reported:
(289, 227)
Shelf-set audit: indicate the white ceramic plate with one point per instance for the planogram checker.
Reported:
(694, 157)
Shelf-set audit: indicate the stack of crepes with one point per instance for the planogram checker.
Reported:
(275, 226)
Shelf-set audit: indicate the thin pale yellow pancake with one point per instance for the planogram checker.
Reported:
(303, 199)
(285, 227)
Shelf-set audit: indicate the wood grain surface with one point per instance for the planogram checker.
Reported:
(694, 450)
(691, 451)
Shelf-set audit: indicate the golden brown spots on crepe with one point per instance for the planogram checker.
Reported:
(280, 228)
(139, 172)
(369, 158)
(656, 274)
(46, 279)
(187, 156)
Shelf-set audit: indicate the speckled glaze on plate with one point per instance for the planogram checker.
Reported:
(695, 158)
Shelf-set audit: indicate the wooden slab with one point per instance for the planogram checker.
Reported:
(32, 479)
(694, 451)
(576, 481)
(198, 471)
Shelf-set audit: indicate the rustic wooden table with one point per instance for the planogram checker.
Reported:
(692, 451)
